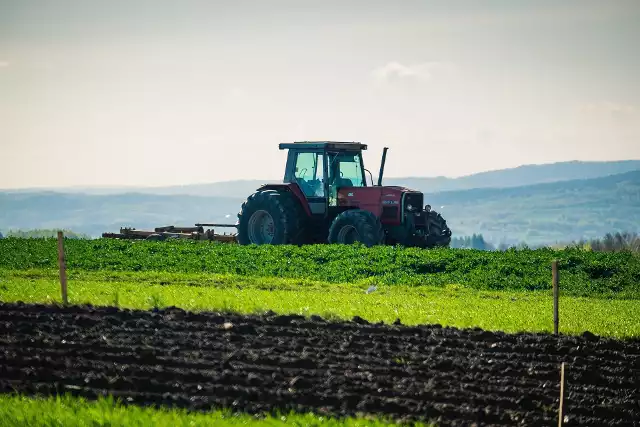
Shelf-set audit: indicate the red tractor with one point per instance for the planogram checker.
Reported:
(324, 198)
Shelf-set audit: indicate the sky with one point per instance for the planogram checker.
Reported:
(159, 92)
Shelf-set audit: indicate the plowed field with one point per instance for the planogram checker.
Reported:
(265, 363)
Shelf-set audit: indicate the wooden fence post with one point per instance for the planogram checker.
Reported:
(560, 416)
(556, 291)
(63, 268)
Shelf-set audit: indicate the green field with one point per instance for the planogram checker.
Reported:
(582, 273)
(451, 305)
(67, 411)
(509, 291)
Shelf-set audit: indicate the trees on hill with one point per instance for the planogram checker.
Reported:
(475, 241)
(625, 241)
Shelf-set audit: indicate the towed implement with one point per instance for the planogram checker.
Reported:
(172, 232)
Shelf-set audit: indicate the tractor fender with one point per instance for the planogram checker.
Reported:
(294, 189)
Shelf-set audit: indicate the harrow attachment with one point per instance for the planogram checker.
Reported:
(172, 232)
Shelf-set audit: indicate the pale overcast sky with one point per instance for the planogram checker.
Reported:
(103, 92)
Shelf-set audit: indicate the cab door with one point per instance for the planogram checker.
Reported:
(309, 174)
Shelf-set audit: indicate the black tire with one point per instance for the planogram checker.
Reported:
(439, 234)
(283, 219)
(356, 226)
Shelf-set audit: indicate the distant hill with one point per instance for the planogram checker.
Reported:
(233, 189)
(514, 177)
(537, 214)
(545, 213)
(520, 176)
(95, 214)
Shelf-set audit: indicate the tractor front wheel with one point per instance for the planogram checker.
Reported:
(269, 218)
(356, 226)
(439, 233)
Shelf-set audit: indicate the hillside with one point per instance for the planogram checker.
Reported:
(514, 177)
(545, 213)
(537, 214)
(93, 215)
(521, 176)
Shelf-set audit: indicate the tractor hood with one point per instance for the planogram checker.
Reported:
(401, 189)
(373, 198)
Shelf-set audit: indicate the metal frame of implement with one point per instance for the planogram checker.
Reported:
(172, 232)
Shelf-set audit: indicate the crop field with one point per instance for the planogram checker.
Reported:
(319, 332)
(613, 275)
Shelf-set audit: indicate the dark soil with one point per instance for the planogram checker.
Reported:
(269, 363)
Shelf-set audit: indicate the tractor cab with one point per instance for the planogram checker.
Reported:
(320, 169)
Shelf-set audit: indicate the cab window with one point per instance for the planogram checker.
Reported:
(309, 174)
(346, 171)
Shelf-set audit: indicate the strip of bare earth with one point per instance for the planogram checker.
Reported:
(268, 363)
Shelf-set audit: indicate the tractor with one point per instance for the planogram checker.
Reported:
(324, 198)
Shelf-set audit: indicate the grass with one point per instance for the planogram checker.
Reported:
(452, 305)
(66, 411)
(583, 273)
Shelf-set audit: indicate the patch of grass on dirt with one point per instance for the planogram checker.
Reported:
(451, 305)
(65, 411)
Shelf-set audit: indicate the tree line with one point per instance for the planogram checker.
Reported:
(625, 241)
(43, 234)
(611, 242)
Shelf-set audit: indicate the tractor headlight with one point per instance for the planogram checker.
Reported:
(409, 207)
(427, 208)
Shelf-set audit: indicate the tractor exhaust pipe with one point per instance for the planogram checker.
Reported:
(384, 159)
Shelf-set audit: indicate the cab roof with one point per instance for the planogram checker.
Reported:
(324, 145)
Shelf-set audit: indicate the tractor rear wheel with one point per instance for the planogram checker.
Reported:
(439, 233)
(269, 218)
(356, 226)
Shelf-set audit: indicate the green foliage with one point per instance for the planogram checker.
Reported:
(582, 273)
(155, 301)
(106, 411)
